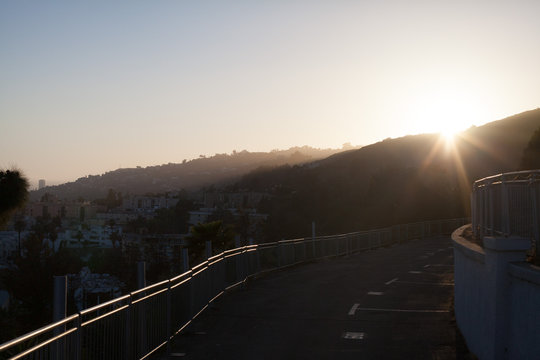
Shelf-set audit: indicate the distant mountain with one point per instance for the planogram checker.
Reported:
(190, 175)
(413, 178)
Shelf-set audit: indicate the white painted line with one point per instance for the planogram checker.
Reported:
(426, 266)
(376, 293)
(443, 265)
(353, 335)
(404, 310)
(391, 281)
(427, 283)
(353, 309)
(415, 272)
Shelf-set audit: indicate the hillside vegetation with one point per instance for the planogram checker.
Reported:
(189, 175)
(408, 179)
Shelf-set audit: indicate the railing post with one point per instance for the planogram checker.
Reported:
(185, 259)
(535, 218)
(278, 253)
(208, 249)
(59, 313)
(141, 283)
(128, 341)
(505, 211)
(491, 210)
(60, 298)
(304, 247)
(141, 274)
(78, 339)
(169, 320)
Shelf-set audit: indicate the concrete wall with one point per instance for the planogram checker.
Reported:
(525, 311)
(497, 297)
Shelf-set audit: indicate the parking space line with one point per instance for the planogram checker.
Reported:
(391, 281)
(404, 310)
(353, 335)
(427, 283)
(353, 309)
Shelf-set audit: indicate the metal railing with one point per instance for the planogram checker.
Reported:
(507, 205)
(136, 325)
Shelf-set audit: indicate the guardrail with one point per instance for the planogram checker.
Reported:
(136, 325)
(507, 205)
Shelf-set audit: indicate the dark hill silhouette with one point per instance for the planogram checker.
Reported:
(189, 175)
(401, 180)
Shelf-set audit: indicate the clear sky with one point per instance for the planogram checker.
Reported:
(88, 87)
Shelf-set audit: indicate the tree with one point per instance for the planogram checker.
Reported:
(531, 155)
(13, 193)
(30, 282)
(220, 235)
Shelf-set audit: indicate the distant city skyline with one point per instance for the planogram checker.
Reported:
(91, 87)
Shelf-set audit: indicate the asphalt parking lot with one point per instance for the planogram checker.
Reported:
(388, 303)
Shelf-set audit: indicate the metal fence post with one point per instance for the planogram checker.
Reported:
(169, 320)
(128, 333)
(185, 260)
(535, 220)
(141, 274)
(278, 254)
(78, 339)
(60, 298)
(59, 313)
(141, 283)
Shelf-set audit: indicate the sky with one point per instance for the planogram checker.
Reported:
(91, 86)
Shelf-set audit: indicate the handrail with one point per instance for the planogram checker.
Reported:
(143, 324)
(501, 176)
(37, 332)
(507, 204)
(102, 305)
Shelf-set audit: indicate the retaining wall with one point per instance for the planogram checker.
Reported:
(497, 297)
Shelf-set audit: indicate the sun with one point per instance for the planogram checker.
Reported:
(448, 135)
(446, 110)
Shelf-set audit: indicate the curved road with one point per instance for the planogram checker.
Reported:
(389, 303)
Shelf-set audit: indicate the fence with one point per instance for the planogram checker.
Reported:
(137, 325)
(507, 205)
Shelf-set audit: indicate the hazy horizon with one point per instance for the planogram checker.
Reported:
(91, 87)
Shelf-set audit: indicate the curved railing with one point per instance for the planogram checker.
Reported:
(507, 205)
(136, 325)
